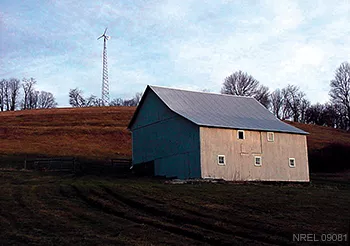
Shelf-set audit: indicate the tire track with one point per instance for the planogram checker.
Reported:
(206, 227)
(76, 211)
(266, 227)
(246, 223)
(182, 231)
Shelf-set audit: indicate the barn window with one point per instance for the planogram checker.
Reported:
(240, 134)
(270, 137)
(257, 161)
(291, 162)
(221, 160)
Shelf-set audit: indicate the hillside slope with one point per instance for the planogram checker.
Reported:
(100, 133)
(328, 147)
(95, 133)
(321, 136)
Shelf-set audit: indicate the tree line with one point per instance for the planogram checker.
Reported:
(290, 103)
(77, 99)
(16, 94)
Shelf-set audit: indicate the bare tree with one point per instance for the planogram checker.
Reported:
(117, 102)
(94, 101)
(127, 102)
(341, 120)
(262, 94)
(242, 84)
(295, 103)
(12, 93)
(2, 94)
(76, 98)
(277, 103)
(46, 100)
(323, 115)
(28, 93)
(33, 99)
(329, 116)
(315, 114)
(137, 98)
(304, 105)
(286, 110)
(340, 90)
(7, 93)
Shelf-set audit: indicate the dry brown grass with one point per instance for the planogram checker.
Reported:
(321, 136)
(327, 148)
(95, 133)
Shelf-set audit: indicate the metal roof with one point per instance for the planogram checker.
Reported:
(220, 110)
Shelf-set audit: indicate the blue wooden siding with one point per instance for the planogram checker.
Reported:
(152, 111)
(168, 139)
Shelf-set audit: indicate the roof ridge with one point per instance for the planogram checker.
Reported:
(239, 112)
(203, 92)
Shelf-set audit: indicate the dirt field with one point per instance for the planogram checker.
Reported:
(48, 209)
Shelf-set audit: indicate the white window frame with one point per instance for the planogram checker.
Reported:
(291, 166)
(255, 158)
(273, 137)
(238, 134)
(221, 164)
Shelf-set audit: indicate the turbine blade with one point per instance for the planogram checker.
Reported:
(105, 31)
(100, 37)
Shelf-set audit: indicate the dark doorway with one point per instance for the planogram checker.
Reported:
(144, 169)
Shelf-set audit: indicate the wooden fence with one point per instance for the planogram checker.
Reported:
(71, 164)
(51, 164)
(117, 166)
(121, 163)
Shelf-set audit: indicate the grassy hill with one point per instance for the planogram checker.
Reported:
(327, 148)
(94, 133)
(321, 136)
(100, 133)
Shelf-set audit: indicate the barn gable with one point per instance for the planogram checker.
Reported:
(152, 111)
(165, 138)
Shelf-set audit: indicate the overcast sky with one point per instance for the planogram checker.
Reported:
(182, 43)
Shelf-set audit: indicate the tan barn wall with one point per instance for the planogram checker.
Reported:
(239, 155)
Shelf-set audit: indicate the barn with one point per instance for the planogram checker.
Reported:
(187, 134)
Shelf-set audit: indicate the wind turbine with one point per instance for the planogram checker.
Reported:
(105, 86)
